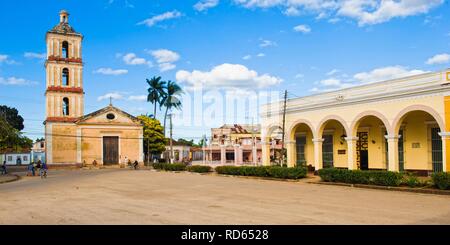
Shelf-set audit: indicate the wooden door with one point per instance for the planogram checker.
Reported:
(110, 150)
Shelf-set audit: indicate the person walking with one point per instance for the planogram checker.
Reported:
(4, 171)
(43, 170)
(31, 169)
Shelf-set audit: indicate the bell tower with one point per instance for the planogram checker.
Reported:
(64, 72)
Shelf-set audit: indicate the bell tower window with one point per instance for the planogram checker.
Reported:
(65, 106)
(65, 77)
(65, 50)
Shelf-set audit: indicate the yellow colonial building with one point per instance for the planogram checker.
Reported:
(108, 136)
(398, 125)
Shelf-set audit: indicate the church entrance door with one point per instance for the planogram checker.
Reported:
(110, 150)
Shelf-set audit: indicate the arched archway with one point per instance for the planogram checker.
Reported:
(420, 145)
(369, 150)
(299, 144)
(333, 130)
(270, 144)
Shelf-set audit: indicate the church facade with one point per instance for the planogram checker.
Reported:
(106, 136)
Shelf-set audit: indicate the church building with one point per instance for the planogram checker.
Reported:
(106, 136)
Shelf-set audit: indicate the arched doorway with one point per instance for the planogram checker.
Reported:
(369, 130)
(333, 131)
(300, 146)
(419, 130)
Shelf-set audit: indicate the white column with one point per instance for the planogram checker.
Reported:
(58, 106)
(445, 136)
(79, 78)
(48, 48)
(236, 155)
(290, 153)
(318, 164)
(79, 50)
(51, 48)
(58, 77)
(72, 78)
(57, 47)
(351, 152)
(223, 154)
(393, 164)
(265, 147)
(72, 51)
(52, 75)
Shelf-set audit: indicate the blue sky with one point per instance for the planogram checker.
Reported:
(305, 47)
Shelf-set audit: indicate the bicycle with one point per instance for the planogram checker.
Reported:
(43, 173)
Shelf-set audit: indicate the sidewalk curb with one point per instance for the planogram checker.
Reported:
(387, 188)
(16, 177)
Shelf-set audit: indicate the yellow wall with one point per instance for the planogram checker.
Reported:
(64, 148)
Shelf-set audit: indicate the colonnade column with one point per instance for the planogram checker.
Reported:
(351, 152)
(393, 164)
(445, 143)
(265, 147)
(318, 163)
(223, 156)
(290, 153)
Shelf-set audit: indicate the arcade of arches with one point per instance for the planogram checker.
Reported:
(396, 135)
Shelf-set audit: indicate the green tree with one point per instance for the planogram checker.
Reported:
(186, 142)
(171, 99)
(11, 138)
(11, 115)
(154, 141)
(155, 92)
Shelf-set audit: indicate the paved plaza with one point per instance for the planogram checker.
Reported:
(122, 196)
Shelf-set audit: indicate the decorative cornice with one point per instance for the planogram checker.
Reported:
(61, 119)
(444, 135)
(64, 89)
(318, 140)
(67, 60)
(408, 87)
(392, 137)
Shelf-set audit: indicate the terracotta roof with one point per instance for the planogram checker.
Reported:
(64, 28)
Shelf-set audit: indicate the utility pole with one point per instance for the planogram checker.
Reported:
(171, 145)
(284, 124)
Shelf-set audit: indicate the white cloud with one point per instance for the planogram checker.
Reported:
(109, 71)
(247, 57)
(291, 11)
(113, 95)
(205, 4)
(14, 81)
(138, 98)
(32, 55)
(375, 12)
(267, 43)
(332, 72)
(385, 73)
(132, 59)
(299, 76)
(375, 75)
(302, 28)
(5, 59)
(365, 12)
(261, 55)
(159, 18)
(226, 76)
(438, 59)
(165, 59)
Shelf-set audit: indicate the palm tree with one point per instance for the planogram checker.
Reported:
(171, 99)
(155, 92)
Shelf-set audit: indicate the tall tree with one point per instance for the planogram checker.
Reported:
(171, 99)
(11, 115)
(155, 92)
(11, 138)
(154, 140)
